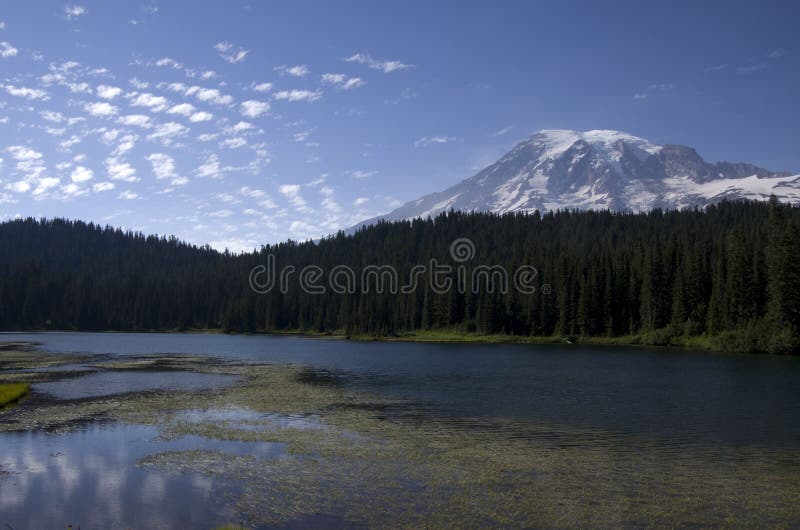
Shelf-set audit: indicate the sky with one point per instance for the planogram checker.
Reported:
(241, 123)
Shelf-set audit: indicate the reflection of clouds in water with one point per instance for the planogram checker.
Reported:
(32, 463)
(89, 478)
(154, 488)
(68, 473)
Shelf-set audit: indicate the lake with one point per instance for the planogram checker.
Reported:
(690, 415)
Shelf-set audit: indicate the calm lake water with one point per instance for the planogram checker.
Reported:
(678, 396)
(668, 399)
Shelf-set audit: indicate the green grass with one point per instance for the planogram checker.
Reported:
(11, 392)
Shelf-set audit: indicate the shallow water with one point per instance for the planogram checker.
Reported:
(109, 383)
(89, 478)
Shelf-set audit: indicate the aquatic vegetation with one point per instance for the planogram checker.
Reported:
(12, 392)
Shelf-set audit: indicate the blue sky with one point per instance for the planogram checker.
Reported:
(240, 123)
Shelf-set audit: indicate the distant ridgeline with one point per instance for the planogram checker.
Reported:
(727, 277)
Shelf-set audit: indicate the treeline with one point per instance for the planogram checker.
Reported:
(728, 276)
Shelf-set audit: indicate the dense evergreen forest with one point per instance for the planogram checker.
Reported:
(727, 276)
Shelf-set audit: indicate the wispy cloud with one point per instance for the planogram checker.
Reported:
(653, 89)
(299, 70)
(342, 81)
(230, 53)
(298, 95)
(750, 68)
(777, 53)
(426, 141)
(26, 92)
(378, 64)
(74, 11)
(7, 50)
(361, 175)
(502, 132)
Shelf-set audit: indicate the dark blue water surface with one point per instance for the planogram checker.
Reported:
(674, 396)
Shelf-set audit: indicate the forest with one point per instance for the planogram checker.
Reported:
(726, 277)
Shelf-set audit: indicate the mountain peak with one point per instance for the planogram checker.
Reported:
(554, 142)
(600, 169)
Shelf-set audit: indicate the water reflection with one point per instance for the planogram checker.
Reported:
(89, 478)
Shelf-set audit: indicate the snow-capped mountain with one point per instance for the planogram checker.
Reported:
(556, 169)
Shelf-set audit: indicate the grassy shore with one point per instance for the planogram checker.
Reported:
(455, 336)
(12, 392)
(725, 343)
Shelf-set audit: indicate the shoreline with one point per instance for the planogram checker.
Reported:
(699, 343)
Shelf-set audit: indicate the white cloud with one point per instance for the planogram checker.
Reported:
(108, 92)
(138, 120)
(298, 95)
(153, 102)
(292, 193)
(7, 50)
(299, 70)
(342, 81)
(126, 143)
(184, 109)
(139, 85)
(71, 189)
(209, 95)
(230, 53)
(45, 184)
(120, 170)
(200, 116)
(210, 168)
(384, 66)
(301, 136)
(128, 195)
(103, 186)
(361, 175)
(241, 126)
(79, 88)
(254, 109)
(168, 62)
(53, 116)
(425, 141)
(25, 92)
(221, 214)
(20, 186)
(166, 132)
(101, 109)
(74, 11)
(262, 87)
(20, 152)
(81, 174)
(163, 165)
(253, 193)
(233, 143)
(360, 201)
